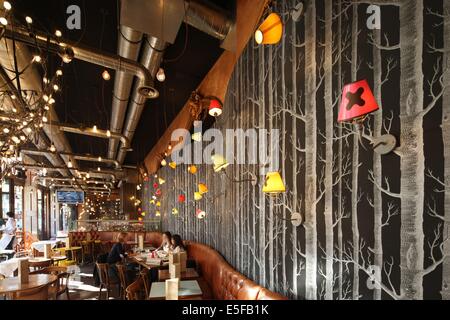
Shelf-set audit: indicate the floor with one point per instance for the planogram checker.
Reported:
(81, 285)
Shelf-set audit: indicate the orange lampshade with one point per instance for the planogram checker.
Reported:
(202, 188)
(192, 169)
(270, 31)
(274, 184)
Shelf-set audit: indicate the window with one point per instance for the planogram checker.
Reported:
(39, 212)
(18, 205)
(5, 198)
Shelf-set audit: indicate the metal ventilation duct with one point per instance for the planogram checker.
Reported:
(69, 50)
(151, 58)
(128, 46)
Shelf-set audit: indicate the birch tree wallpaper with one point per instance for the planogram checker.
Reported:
(374, 226)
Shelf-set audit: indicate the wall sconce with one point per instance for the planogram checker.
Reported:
(197, 196)
(270, 31)
(173, 165)
(200, 214)
(220, 163)
(192, 169)
(174, 211)
(273, 185)
(161, 181)
(215, 107)
(357, 103)
(202, 188)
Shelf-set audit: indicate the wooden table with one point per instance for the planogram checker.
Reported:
(139, 260)
(189, 274)
(187, 290)
(13, 285)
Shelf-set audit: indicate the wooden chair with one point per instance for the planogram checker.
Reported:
(36, 265)
(41, 293)
(135, 291)
(105, 281)
(62, 283)
(122, 271)
(146, 282)
(87, 250)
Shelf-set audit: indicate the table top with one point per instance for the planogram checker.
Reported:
(186, 289)
(189, 274)
(10, 285)
(153, 263)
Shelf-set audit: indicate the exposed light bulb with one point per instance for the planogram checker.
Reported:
(15, 139)
(51, 101)
(100, 159)
(22, 138)
(108, 133)
(37, 58)
(105, 75)
(28, 130)
(7, 5)
(28, 20)
(55, 87)
(52, 148)
(59, 72)
(58, 33)
(45, 97)
(69, 164)
(161, 76)
(13, 97)
(44, 119)
(3, 21)
(45, 80)
(94, 128)
(98, 169)
(5, 130)
(163, 162)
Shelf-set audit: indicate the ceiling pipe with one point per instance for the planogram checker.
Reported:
(72, 156)
(151, 58)
(208, 18)
(92, 132)
(31, 80)
(128, 46)
(93, 173)
(69, 50)
(85, 182)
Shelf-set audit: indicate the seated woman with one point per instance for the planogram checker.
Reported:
(166, 242)
(177, 244)
(117, 255)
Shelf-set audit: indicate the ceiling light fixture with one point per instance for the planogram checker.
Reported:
(105, 75)
(161, 75)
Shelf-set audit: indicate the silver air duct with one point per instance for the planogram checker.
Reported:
(128, 46)
(151, 58)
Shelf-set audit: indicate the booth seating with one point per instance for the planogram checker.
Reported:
(224, 282)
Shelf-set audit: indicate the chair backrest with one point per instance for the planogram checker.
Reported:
(144, 276)
(135, 290)
(40, 293)
(122, 271)
(60, 272)
(103, 273)
(36, 265)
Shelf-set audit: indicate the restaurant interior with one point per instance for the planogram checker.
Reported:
(224, 150)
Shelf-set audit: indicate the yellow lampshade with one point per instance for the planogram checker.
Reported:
(197, 136)
(161, 181)
(174, 211)
(173, 165)
(152, 201)
(143, 214)
(220, 162)
(158, 204)
(197, 196)
(273, 184)
(202, 188)
(270, 31)
(192, 169)
(158, 214)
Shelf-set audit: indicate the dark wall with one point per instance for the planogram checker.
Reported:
(374, 226)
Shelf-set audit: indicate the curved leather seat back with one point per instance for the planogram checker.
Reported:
(225, 282)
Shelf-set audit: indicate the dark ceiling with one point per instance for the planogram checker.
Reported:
(86, 97)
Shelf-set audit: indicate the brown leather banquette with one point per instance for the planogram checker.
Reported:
(224, 282)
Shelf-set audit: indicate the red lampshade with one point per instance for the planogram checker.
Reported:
(357, 101)
(215, 108)
(181, 198)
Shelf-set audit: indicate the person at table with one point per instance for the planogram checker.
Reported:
(117, 254)
(177, 244)
(9, 233)
(166, 242)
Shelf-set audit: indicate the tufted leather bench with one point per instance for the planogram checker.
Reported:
(221, 281)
